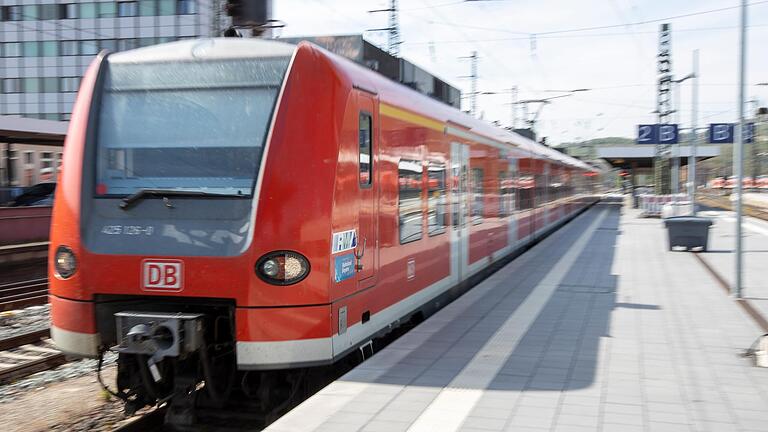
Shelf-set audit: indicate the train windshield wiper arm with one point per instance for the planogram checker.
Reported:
(140, 194)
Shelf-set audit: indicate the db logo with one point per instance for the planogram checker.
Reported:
(162, 275)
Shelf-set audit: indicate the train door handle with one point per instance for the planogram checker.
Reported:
(359, 256)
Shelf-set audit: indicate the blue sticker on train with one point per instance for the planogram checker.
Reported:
(345, 267)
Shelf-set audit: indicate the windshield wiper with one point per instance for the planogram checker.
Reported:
(140, 194)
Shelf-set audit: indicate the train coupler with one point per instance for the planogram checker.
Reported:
(159, 335)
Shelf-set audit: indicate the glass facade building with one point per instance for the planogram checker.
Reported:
(46, 45)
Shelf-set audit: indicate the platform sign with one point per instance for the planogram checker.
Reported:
(646, 134)
(721, 133)
(664, 134)
(725, 133)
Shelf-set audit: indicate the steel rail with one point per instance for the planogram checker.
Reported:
(44, 362)
(24, 339)
(33, 366)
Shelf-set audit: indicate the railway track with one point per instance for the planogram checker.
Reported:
(27, 354)
(150, 422)
(21, 294)
(724, 202)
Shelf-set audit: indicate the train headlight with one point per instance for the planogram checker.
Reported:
(64, 262)
(282, 267)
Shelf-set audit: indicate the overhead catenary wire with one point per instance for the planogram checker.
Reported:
(527, 39)
(607, 26)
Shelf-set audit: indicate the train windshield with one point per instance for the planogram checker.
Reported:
(187, 126)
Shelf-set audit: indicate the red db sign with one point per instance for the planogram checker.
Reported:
(162, 275)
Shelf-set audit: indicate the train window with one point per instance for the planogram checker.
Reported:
(192, 126)
(409, 173)
(365, 141)
(478, 197)
(506, 193)
(437, 205)
(526, 187)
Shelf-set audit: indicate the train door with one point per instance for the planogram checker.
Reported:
(368, 145)
(460, 210)
(509, 193)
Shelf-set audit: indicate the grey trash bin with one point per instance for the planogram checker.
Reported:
(688, 231)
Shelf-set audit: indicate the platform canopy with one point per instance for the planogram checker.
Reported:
(22, 130)
(641, 156)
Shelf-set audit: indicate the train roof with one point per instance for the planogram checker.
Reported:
(389, 91)
(402, 96)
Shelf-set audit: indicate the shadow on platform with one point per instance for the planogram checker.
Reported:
(560, 349)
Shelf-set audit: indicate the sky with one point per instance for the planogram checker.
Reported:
(539, 46)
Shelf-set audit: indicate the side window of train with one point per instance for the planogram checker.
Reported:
(437, 204)
(365, 141)
(411, 217)
(506, 193)
(478, 196)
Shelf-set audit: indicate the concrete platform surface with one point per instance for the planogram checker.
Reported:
(597, 328)
(722, 259)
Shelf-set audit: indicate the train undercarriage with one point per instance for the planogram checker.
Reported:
(182, 356)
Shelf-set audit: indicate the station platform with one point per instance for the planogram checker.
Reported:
(597, 328)
(721, 256)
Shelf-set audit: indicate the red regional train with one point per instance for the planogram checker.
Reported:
(233, 207)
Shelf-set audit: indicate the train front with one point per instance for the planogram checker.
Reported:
(154, 217)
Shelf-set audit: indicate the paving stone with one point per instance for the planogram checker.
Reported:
(631, 337)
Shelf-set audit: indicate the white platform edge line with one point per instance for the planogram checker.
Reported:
(452, 406)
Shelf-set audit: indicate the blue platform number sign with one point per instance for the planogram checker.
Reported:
(344, 267)
(667, 133)
(657, 134)
(646, 134)
(750, 133)
(721, 133)
(725, 133)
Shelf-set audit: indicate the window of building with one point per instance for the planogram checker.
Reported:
(49, 11)
(31, 49)
(65, 116)
(89, 47)
(29, 157)
(46, 158)
(147, 7)
(12, 13)
(12, 85)
(108, 44)
(144, 42)
(185, 7)
(31, 85)
(70, 48)
(127, 9)
(166, 7)
(69, 84)
(165, 39)
(126, 44)
(69, 11)
(478, 197)
(107, 9)
(409, 200)
(87, 10)
(437, 206)
(49, 116)
(50, 48)
(30, 12)
(365, 133)
(50, 85)
(12, 49)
